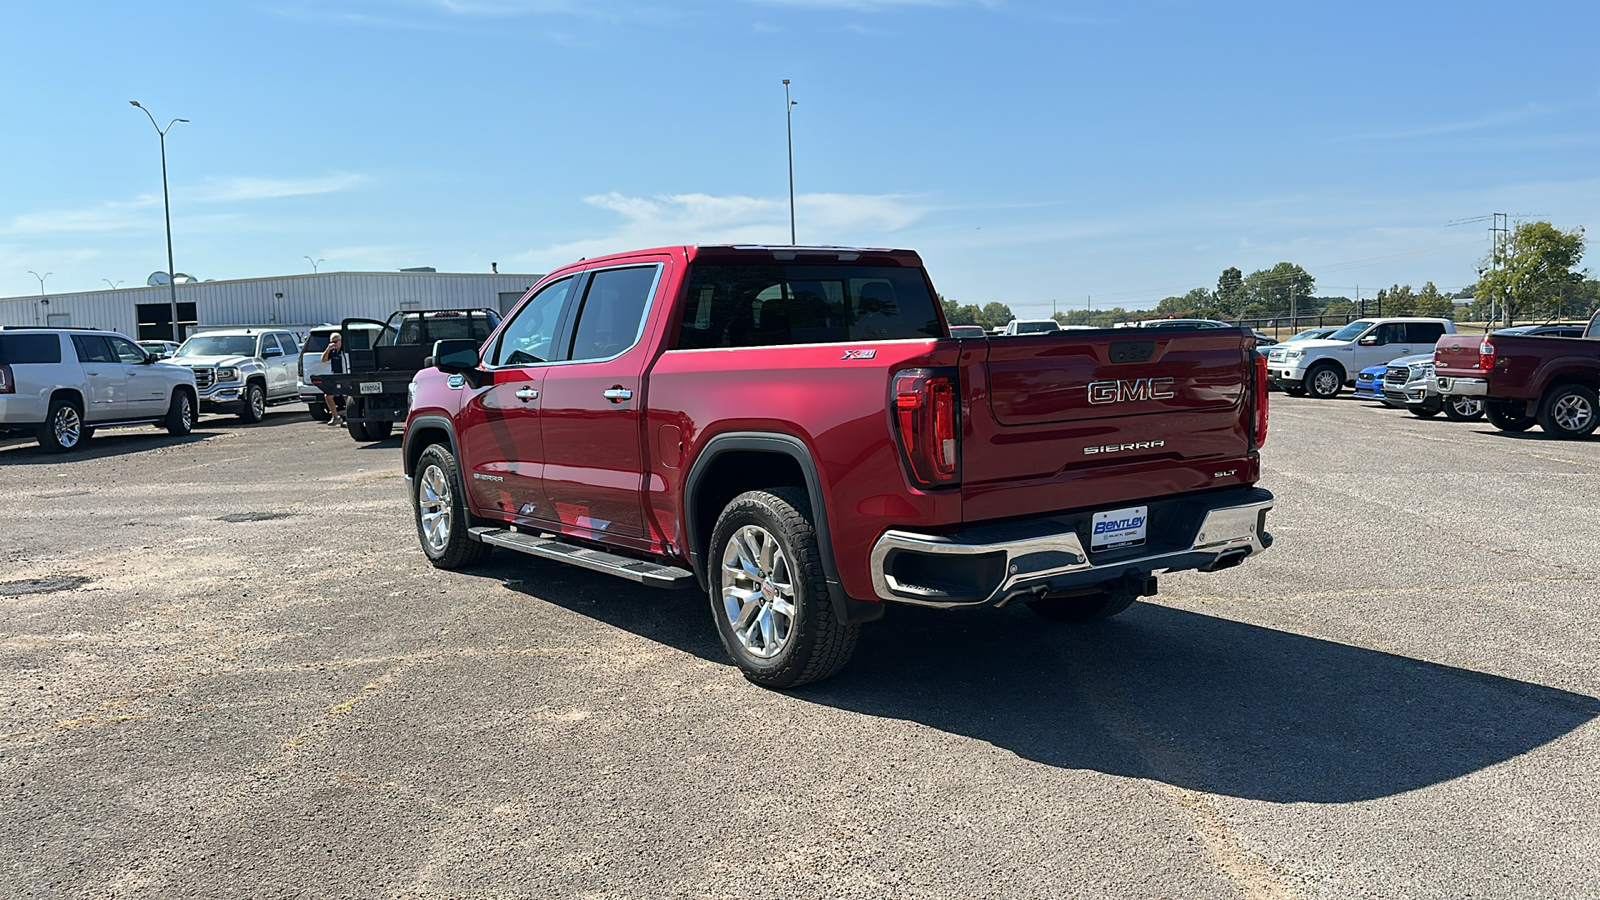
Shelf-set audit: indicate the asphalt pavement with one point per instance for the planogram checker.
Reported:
(226, 670)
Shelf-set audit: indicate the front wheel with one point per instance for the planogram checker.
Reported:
(1569, 411)
(1323, 382)
(1507, 415)
(1425, 411)
(1463, 409)
(768, 594)
(253, 408)
(180, 414)
(441, 512)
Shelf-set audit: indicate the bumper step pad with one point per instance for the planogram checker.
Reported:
(642, 571)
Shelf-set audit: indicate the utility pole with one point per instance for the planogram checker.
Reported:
(788, 116)
(1500, 242)
(166, 204)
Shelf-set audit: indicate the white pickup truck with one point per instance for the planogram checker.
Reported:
(1322, 367)
(242, 370)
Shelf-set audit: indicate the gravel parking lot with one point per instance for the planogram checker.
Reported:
(226, 670)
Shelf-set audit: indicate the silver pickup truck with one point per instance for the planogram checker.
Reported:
(242, 370)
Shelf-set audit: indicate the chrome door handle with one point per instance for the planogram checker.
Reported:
(617, 395)
(527, 394)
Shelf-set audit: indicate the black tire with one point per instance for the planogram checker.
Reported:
(1083, 608)
(1569, 411)
(1294, 390)
(436, 493)
(253, 407)
(358, 430)
(1506, 415)
(1424, 412)
(1463, 409)
(812, 644)
(1323, 381)
(379, 431)
(180, 413)
(63, 427)
(318, 412)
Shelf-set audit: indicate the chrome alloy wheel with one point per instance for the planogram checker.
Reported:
(258, 403)
(758, 591)
(1326, 382)
(1466, 406)
(186, 412)
(68, 426)
(436, 509)
(1573, 413)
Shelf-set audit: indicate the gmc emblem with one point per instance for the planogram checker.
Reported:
(1137, 389)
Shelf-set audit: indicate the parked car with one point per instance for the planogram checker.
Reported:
(1369, 383)
(968, 331)
(1311, 334)
(1263, 339)
(1568, 331)
(792, 431)
(1526, 380)
(242, 371)
(60, 384)
(159, 349)
(1322, 367)
(311, 357)
(1031, 326)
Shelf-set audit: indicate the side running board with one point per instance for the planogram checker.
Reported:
(641, 571)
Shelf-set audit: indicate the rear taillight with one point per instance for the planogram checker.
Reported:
(927, 419)
(1486, 356)
(1259, 431)
(8, 381)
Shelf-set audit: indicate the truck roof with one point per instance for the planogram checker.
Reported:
(775, 253)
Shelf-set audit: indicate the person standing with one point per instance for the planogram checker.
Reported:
(333, 357)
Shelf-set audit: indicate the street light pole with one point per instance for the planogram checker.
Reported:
(42, 299)
(113, 284)
(166, 203)
(313, 263)
(788, 115)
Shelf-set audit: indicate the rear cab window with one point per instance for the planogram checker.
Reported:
(29, 349)
(774, 304)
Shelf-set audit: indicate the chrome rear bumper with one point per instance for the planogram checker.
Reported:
(993, 564)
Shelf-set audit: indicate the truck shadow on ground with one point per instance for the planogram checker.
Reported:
(108, 443)
(1191, 700)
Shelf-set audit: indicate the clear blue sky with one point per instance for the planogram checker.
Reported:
(1032, 151)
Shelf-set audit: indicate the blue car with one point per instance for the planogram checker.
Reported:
(1369, 383)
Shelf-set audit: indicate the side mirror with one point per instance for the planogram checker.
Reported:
(1369, 341)
(458, 356)
(270, 352)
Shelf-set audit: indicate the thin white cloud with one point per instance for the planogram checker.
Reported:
(707, 219)
(223, 190)
(124, 215)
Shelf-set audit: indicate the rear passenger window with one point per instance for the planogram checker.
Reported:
(775, 304)
(93, 348)
(26, 349)
(613, 312)
(1424, 332)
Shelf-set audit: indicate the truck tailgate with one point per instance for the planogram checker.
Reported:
(1095, 419)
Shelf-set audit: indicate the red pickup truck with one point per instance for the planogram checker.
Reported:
(793, 431)
(1523, 380)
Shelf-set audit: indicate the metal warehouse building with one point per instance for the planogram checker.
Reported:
(291, 301)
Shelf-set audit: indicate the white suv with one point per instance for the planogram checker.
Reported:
(1321, 367)
(60, 384)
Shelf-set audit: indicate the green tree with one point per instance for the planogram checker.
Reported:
(1398, 300)
(1197, 304)
(958, 315)
(1432, 303)
(1268, 292)
(994, 315)
(1229, 298)
(1535, 272)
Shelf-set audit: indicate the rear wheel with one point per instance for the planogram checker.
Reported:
(441, 512)
(253, 407)
(318, 411)
(768, 594)
(378, 431)
(63, 427)
(1463, 409)
(1324, 381)
(180, 413)
(358, 430)
(1082, 608)
(1507, 415)
(1569, 411)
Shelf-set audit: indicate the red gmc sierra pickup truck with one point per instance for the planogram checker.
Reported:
(1553, 382)
(793, 431)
